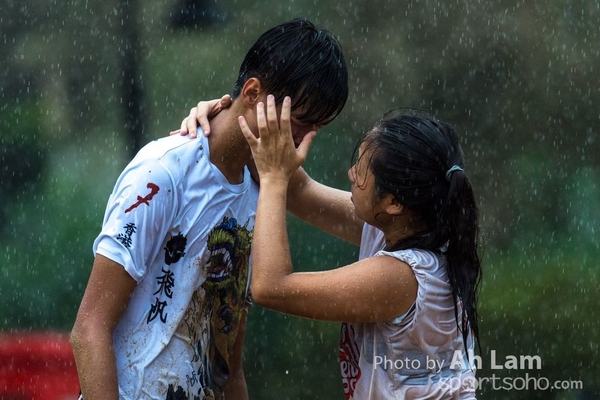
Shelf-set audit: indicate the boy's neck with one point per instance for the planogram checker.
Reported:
(229, 151)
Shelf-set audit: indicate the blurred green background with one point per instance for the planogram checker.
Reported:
(84, 83)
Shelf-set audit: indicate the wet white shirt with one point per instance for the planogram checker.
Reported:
(410, 357)
(183, 232)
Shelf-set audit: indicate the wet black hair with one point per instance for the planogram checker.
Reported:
(298, 60)
(410, 154)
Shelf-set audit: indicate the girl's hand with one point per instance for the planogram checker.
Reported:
(200, 114)
(273, 149)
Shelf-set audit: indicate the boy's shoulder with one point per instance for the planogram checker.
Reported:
(175, 146)
(173, 157)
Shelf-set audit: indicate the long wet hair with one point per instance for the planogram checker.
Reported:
(298, 60)
(411, 154)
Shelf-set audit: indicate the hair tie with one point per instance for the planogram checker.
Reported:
(451, 170)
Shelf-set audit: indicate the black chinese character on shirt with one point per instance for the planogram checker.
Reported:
(165, 283)
(157, 309)
(125, 238)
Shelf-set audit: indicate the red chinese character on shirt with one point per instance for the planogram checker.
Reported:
(146, 199)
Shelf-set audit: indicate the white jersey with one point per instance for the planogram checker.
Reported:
(419, 355)
(183, 232)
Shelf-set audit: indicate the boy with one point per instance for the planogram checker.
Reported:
(164, 312)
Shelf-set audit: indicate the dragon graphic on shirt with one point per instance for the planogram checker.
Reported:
(218, 305)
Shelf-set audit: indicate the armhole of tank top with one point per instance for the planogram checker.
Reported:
(399, 320)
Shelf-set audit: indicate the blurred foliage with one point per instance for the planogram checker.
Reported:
(22, 156)
(518, 79)
(542, 305)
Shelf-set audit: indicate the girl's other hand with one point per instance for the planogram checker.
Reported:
(200, 114)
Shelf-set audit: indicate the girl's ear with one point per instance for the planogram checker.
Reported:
(251, 92)
(392, 207)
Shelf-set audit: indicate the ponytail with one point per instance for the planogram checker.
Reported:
(419, 161)
(460, 218)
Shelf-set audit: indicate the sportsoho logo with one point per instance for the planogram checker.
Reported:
(509, 383)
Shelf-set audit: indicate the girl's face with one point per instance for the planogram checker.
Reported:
(364, 195)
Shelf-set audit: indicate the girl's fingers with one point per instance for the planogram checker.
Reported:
(250, 138)
(278, 126)
(201, 113)
(284, 122)
(261, 119)
(224, 103)
(191, 123)
(272, 146)
(183, 129)
(273, 123)
(304, 146)
(203, 121)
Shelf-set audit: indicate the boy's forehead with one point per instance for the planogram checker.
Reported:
(300, 113)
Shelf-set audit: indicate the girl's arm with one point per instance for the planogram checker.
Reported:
(324, 207)
(374, 289)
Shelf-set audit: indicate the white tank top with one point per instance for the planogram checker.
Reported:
(419, 355)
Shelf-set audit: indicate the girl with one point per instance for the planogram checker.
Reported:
(408, 307)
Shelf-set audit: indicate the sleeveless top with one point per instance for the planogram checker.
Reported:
(419, 355)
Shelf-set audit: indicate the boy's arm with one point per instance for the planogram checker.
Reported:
(104, 301)
(236, 388)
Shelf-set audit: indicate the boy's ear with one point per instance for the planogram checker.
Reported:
(251, 92)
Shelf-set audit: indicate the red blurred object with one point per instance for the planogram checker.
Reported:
(36, 366)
